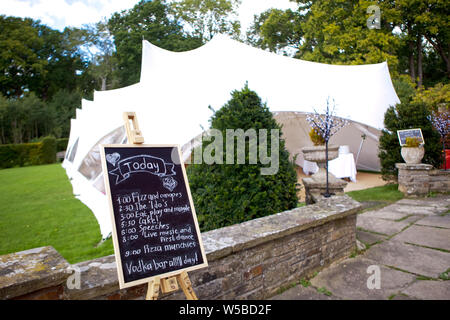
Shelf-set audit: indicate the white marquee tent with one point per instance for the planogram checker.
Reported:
(175, 89)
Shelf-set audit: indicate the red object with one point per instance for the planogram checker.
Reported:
(447, 158)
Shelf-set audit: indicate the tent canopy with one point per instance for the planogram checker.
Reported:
(172, 98)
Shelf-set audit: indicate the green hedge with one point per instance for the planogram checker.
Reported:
(61, 144)
(28, 154)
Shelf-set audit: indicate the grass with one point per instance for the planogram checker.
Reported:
(388, 193)
(445, 275)
(324, 291)
(37, 208)
(301, 204)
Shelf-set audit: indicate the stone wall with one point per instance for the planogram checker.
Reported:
(439, 180)
(251, 260)
(421, 179)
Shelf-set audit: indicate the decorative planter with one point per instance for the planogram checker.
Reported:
(317, 154)
(317, 185)
(412, 155)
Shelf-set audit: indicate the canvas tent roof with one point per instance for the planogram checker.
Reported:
(296, 134)
(172, 98)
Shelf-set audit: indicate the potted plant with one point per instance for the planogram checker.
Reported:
(317, 152)
(412, 152)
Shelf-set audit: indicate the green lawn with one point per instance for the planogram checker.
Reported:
(37, 209)
(387, 193)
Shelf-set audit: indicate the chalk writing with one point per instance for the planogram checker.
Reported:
(154, 221)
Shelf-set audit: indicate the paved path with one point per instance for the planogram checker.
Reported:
(406, 243)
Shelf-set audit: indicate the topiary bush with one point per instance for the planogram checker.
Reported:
(407, 115)
(226, 194)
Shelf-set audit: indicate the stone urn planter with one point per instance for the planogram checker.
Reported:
(412, 155)
(317, 154)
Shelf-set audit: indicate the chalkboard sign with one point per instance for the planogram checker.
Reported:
(409, 133)
(155, 229)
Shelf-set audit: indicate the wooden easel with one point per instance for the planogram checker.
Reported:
(168, 284)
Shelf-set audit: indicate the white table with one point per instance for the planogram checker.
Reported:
(341, 167)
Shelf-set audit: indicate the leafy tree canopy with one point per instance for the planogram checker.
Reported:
(149, 20)
(205, 18)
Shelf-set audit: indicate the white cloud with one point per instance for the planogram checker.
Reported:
(61, 13)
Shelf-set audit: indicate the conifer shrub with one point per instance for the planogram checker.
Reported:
(407, 115)
(226, 194)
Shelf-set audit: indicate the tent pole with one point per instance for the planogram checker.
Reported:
(363, 136)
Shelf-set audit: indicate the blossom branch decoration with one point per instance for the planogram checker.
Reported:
(441, 121)
(326, 124)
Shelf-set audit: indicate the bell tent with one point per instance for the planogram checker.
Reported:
(175, 89)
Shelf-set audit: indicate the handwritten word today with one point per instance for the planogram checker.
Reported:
(142, 163)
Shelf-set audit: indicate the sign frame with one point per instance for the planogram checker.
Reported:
(415, 129)
(122, 283)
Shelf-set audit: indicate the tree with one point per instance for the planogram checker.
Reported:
(24, 119)
(149, 20)
(432, 18)
(225, 194)
(67, 62)
(101, 49)
(20, 61)
(276, 30)
(3, 120)
(336, 32)
(36, 58)
(332, 32)
(437, 97)
(63, 106)
(425, 33)
(205, 18)
(404, 87)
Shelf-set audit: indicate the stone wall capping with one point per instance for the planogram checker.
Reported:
(250, 260)
(419, 166)
(29, 271)
(97, 277)
(224, 241)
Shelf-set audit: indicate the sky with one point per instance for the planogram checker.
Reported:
(58, 14)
